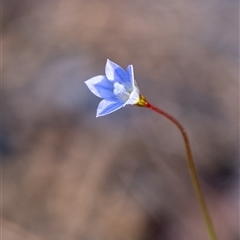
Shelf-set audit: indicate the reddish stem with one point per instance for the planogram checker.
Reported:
(192, 169)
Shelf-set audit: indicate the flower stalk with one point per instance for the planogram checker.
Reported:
(118, 89)
(191, 165)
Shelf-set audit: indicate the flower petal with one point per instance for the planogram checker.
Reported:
(130, 74)
(100, 86)
(134, 97)
(108, 106)
(115, 73)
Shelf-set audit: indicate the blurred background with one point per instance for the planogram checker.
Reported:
(68, 175)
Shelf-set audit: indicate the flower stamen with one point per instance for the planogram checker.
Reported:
(120, 91)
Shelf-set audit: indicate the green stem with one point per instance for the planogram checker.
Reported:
(192, 169)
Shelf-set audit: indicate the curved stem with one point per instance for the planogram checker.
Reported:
(192, 169)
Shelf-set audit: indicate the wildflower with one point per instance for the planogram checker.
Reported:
(118, 88)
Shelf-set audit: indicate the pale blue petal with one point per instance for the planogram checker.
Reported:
(100, 86)
(134, 97)
(108, 106)
(109, 69)
(115, 73)
(130, 74)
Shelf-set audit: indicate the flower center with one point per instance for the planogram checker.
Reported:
(120, 91)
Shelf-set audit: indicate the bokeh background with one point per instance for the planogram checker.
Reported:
(68, 175)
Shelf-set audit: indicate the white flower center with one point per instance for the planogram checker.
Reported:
(120, 91)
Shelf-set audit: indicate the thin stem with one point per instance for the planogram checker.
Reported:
(192, 169)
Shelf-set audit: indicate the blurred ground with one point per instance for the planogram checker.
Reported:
(68, 175)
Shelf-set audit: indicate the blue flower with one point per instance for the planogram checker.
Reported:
(118, 88)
